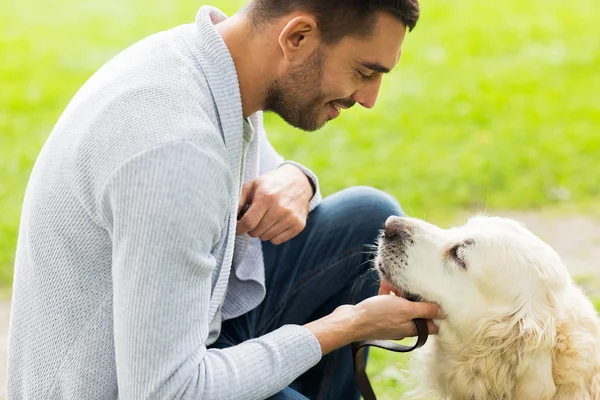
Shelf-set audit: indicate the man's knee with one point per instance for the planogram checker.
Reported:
(363, 206)
(375, 200)
(288, 394)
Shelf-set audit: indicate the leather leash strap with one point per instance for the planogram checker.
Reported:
(358, 355)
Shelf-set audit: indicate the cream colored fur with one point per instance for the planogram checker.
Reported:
(517, 327)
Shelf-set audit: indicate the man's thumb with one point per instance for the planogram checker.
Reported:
(246, 195)
(428, 311)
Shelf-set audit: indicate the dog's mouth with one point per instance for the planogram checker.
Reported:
(408, 295)
(411, 296)
(392, 249)
(397, 289)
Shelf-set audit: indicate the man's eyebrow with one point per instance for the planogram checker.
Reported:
(376, 67)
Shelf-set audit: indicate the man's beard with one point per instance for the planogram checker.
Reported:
(291, 98)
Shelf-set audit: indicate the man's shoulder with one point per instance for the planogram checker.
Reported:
(149, 93)
(159, 68)
(145, 98)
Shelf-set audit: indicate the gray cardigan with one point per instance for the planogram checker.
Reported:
(126, 245)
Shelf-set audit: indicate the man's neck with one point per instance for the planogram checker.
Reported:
(250, 56)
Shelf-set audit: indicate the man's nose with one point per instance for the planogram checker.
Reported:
(366, 96)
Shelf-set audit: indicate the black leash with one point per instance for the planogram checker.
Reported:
(358, 355)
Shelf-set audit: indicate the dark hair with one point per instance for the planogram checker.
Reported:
(336, 18)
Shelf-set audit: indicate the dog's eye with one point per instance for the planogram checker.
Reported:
(456, 253)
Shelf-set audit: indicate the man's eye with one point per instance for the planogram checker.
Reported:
(363, 76)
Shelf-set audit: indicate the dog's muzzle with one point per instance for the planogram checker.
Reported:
(359, 348)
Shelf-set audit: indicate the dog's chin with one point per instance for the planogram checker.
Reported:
(398, 288)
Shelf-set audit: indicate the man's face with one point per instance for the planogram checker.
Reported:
(336, 77)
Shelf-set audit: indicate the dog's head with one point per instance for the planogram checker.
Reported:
(498, 284)
(488, 265)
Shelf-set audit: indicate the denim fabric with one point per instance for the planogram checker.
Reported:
(307, 277)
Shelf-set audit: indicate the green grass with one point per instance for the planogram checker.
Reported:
(387, 372)
(494, 104)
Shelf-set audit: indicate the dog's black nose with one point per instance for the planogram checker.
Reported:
(393, 227)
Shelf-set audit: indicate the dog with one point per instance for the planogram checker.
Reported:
(517, 327)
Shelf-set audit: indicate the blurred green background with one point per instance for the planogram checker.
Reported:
(494, 105)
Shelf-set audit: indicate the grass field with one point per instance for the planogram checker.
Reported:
(494, 104)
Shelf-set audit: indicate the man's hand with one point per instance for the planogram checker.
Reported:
(278, 205)
(390, 317)
(385, 288)
(379, 317)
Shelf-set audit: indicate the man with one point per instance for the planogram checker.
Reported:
(167, 251)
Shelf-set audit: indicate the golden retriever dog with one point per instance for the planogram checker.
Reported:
(517, 327)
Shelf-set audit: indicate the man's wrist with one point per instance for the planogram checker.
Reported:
(310, 189)
(314, 182)
(338, 329)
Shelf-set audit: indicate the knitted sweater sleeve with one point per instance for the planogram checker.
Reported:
(166, 210)
(270, 158)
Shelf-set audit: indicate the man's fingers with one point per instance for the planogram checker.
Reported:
(268, 221)
(246, 195)
(252, 218)
(276, 229)
(432, 327)
(384, 288)
(285, 235)
(425, 310)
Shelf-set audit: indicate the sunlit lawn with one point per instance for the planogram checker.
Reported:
(494, 104)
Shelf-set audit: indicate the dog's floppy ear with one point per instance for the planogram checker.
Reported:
(516, 352)
(537, 336)
(534, 370)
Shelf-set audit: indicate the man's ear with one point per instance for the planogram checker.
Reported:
(300, 37)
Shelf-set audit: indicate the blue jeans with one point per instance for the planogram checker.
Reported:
(307, 277)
